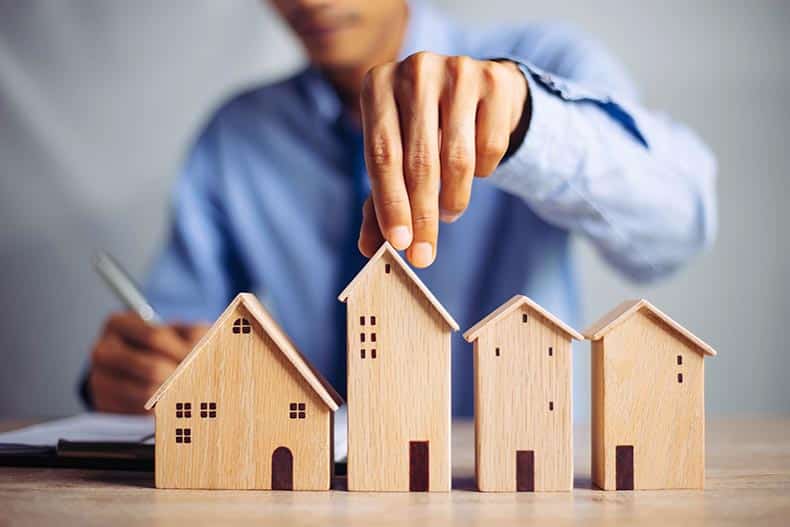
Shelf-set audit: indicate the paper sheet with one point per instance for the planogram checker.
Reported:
(114, 427)
(84, 427)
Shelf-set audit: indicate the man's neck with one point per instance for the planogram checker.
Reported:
(347, 80)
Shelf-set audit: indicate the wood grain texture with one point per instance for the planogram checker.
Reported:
(637, 400)
(516, 302)
(403, 394)
(748, 481)
(253, 385)
(623, 312)
(523, 401)
(273, 330)
(396, 260)
(597, 415)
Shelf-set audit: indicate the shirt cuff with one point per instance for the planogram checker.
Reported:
(531, 169)
(553, 146)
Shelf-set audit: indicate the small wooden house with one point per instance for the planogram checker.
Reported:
(523, 399)
(648, 401)
(398, 380)
(244, 410)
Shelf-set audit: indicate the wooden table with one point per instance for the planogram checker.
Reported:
(748, 483)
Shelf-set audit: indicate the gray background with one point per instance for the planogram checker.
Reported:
(100, 99)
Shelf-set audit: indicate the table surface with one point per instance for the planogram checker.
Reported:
(748, 481)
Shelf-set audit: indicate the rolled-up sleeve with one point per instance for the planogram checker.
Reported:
(638, 185)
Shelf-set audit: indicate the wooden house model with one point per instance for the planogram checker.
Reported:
(648, 401)
(398, 379)
(523, 399)
(244, 410)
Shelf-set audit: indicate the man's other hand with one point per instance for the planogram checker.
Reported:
(132, 358)
(431, 124)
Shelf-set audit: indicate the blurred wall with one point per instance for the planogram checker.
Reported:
(100, 99)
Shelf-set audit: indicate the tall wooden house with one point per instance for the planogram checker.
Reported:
(398, 380)
(523, 399)
(648, 401)
(244, 410)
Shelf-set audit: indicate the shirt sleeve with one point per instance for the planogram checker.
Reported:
(640, 186)
(193, 277)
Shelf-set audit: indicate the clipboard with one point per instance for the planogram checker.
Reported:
(103, 455)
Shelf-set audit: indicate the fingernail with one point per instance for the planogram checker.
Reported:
(400, 237)
(421, 254)
(448, 217)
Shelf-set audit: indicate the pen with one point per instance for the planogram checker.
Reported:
(124, 287)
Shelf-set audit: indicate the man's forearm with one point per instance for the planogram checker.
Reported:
(639, 186)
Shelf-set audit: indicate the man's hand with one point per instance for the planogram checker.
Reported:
(431, 123)
(131, 359)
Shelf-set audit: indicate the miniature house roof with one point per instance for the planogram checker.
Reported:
(386, 247)
(624, 311)
(514, 303)
(281, 341)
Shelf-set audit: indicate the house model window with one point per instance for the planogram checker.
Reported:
(679, 361)
(183, 435)
(365, 336)
(208, 410)
(242, 325)
(183, 410)
(298, 411)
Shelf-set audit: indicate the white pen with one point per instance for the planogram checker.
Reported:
(124, 287)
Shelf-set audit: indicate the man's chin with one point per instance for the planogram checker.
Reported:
(337, 54)
(335, 60)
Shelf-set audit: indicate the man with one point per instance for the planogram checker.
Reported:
(515, 138)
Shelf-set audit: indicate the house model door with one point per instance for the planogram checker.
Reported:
(624, 471)
(418, 466)
(282, 469)
(525, 470)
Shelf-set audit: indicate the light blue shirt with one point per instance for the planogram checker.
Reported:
(266, 201)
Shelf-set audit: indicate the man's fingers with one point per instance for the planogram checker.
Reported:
(384, 156)
(493, 119)
(160, 339)
(113, 393)
(458, 137)
(115, 355)
(191, 333)
(417, 95)
(370, 238)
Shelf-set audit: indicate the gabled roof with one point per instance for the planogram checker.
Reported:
(386, 247)
(623, 312)
(514, 303)
(281, 341)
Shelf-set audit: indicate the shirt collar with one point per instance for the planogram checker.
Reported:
(427, 30)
